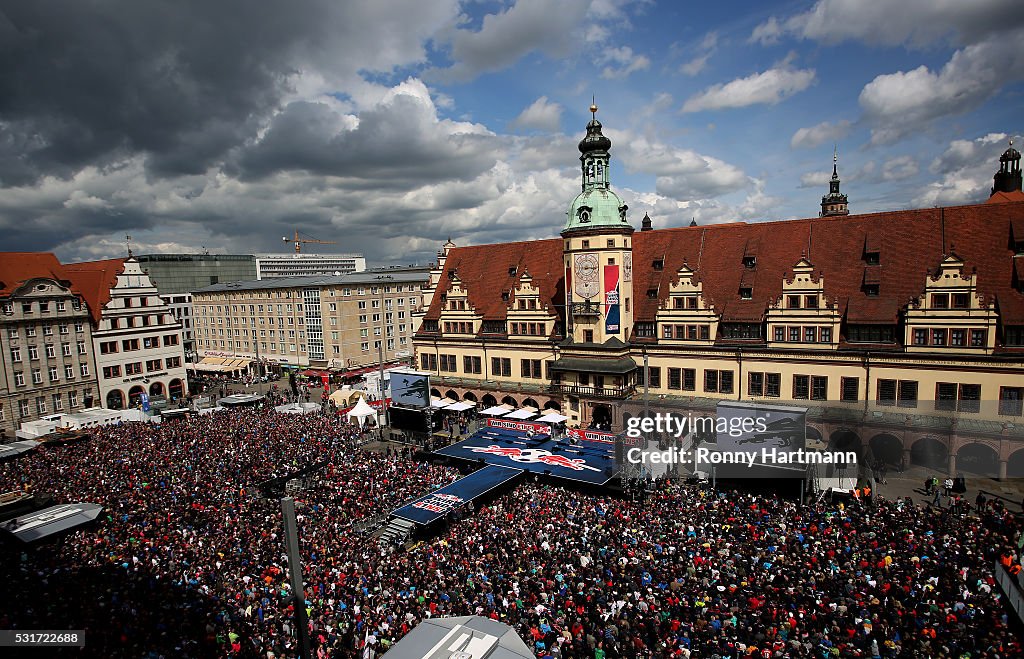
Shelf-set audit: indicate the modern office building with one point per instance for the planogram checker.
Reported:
(902, 332)
(177, 275)
(296, 264)
(45, 341)
(337, 322)
(136, 339)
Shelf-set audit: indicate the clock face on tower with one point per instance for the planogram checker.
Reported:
(588, 282)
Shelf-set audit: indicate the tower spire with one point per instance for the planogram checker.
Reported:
(835, 202)
(1008, 178)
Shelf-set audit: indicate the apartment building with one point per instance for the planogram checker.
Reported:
(45, 341)
(335, 322)
(177, 275)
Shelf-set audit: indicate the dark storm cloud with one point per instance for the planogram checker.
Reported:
(181, 81)
(84, 82)
(396, 142)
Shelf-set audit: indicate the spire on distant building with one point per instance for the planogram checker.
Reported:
(835, 202)
(645, 224)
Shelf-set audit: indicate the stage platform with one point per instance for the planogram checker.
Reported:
(586, 462)
(434, 506)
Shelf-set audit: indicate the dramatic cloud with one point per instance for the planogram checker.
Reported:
(182, 82)
(813, 136)
(681, 174)
(540, 115)
(968, 153)
(768, 87)
(967, 167)
(399, 140)
(894, 22)
(899, 102)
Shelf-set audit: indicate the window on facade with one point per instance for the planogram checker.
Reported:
(958, 337)
(749, 262)
(940, 300)
(960, 300)
(716, 381)
(945, 396)
(755, 384)
(793, 301)
(471, 364)
(849, 389)
(530, 368)
(938, 337)
(746, 293)
(1011, 401)
(501, 367)
(810, 334)
(978, 337)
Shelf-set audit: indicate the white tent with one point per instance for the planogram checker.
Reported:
(552, 417)
(361, 411)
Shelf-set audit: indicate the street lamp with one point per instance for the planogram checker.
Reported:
(380, 352)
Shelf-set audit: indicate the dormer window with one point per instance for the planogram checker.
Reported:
(746, 293)
(652, 293)
(871, 258)
(793, 301)
(811, 301)
(505, 296)
(750, 262)
(940, 301)
(658, 264)
(961, 300)
(512, 270)
(871, 290)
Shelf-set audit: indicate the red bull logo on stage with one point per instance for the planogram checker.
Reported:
(531, 455)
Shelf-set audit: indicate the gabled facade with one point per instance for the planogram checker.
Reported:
(136, 338)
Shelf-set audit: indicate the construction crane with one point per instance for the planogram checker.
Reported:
(298, 242)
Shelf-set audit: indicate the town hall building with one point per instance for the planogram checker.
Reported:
(901, 332)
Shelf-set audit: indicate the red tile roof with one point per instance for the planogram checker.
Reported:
(18, 267)
(94, 279)
(1004, 197)
(910, 245)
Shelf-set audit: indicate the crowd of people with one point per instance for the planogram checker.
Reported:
(188, 559)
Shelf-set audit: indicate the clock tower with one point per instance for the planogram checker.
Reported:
(598, 251)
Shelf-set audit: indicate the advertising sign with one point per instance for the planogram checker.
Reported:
(524, 426)
(611, 299)
(410, 389)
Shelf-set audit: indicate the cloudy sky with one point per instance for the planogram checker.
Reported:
(389, 125)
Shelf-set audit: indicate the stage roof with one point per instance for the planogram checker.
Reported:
(476, 636)
(51, 521)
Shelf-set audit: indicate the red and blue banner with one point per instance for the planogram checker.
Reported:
(523, 426)
(611, 299)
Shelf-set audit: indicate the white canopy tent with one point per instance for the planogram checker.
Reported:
(552, 417)
(461, 406)
(440, 403)
(361, 411)
(497, 410)
(521, 415)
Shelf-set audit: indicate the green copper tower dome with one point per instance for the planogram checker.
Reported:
(596, 207)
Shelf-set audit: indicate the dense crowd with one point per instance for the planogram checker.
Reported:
(189, 560)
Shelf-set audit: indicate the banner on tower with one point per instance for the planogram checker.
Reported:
(611, 299)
